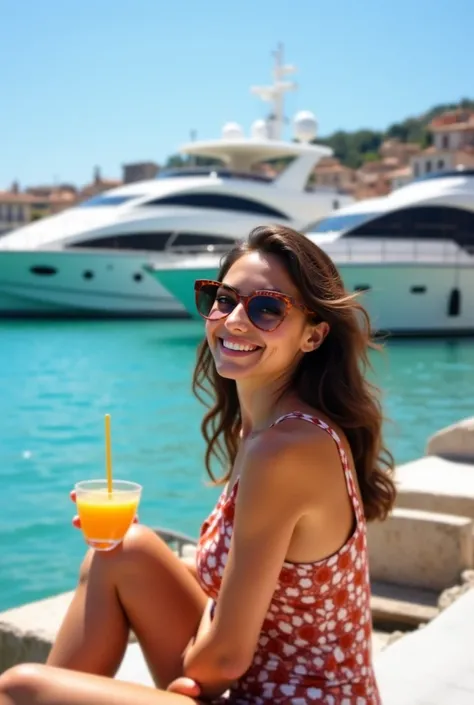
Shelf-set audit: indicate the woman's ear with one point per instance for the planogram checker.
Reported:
(315, 336)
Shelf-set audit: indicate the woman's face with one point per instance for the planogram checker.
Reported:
(267, 354)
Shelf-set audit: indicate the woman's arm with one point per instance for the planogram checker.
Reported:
(205, 622)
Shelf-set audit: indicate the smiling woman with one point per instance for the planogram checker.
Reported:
(277, 608)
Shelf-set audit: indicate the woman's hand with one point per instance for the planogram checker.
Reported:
(76, 521)
(184, 686)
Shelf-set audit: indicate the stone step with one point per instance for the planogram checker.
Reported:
(396, 607)
(420, 549)
(27, 632)
(436, 485)
(455, 442)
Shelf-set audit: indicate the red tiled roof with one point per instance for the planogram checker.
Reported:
(330, 168)
(396, 173)
(12, 197)
(453, 121)
(454, 127)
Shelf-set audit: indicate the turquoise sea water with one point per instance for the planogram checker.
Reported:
(58, 379)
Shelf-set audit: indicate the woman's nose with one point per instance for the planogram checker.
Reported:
(237, 319)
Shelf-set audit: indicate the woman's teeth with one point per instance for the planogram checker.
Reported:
(238, 346)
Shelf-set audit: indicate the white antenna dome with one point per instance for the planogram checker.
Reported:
(305, 126)
(259, 130)
(232, 131)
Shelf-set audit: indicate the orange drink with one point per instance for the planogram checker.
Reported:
(106, 516)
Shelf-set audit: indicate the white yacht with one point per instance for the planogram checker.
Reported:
(89, 260)
(411, 253)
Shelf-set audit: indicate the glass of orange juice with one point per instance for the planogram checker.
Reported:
(106, 516)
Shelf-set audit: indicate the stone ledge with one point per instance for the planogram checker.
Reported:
(449, 596)
(27, 632)
(420, 549)
(436, 485)
(397, 607)
(455, 442)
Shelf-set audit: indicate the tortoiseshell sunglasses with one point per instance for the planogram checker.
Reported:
(265, 309)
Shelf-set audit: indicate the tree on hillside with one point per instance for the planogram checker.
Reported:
(355, 148)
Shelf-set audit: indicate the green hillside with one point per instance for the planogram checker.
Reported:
(355, 148)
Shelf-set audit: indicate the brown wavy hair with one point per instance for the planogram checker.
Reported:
(331, 379)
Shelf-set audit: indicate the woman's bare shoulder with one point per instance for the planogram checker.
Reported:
(276, 453)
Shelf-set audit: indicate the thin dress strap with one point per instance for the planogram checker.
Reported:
(351, 488)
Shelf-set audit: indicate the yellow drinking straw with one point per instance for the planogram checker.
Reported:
(108, 454)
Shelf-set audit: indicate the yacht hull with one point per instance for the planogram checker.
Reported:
(41, 283)
(402, 299)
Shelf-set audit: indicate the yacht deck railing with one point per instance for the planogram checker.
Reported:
(359, 250)
(175, 539)
(366, 250)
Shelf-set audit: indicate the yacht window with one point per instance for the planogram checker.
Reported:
(155, 242)
(388, 225)
(422, 222)
(220, 172)
(362, 287)
(217, 201)
(454, 174)
(454, 302)
(44, 270)
(418, 289)
(103, 200)
(337, 223)
(191, 239)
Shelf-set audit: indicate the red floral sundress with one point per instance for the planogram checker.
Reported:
(315, 642)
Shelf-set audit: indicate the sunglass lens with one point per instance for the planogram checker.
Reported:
(266, 312)
(205, 299)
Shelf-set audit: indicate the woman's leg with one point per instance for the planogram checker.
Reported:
(32, 684)
(140, 585)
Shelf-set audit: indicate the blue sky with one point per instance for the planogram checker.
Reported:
(104, 82)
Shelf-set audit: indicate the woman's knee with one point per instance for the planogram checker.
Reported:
(139, 538)
(23, 683)
(139, 544)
